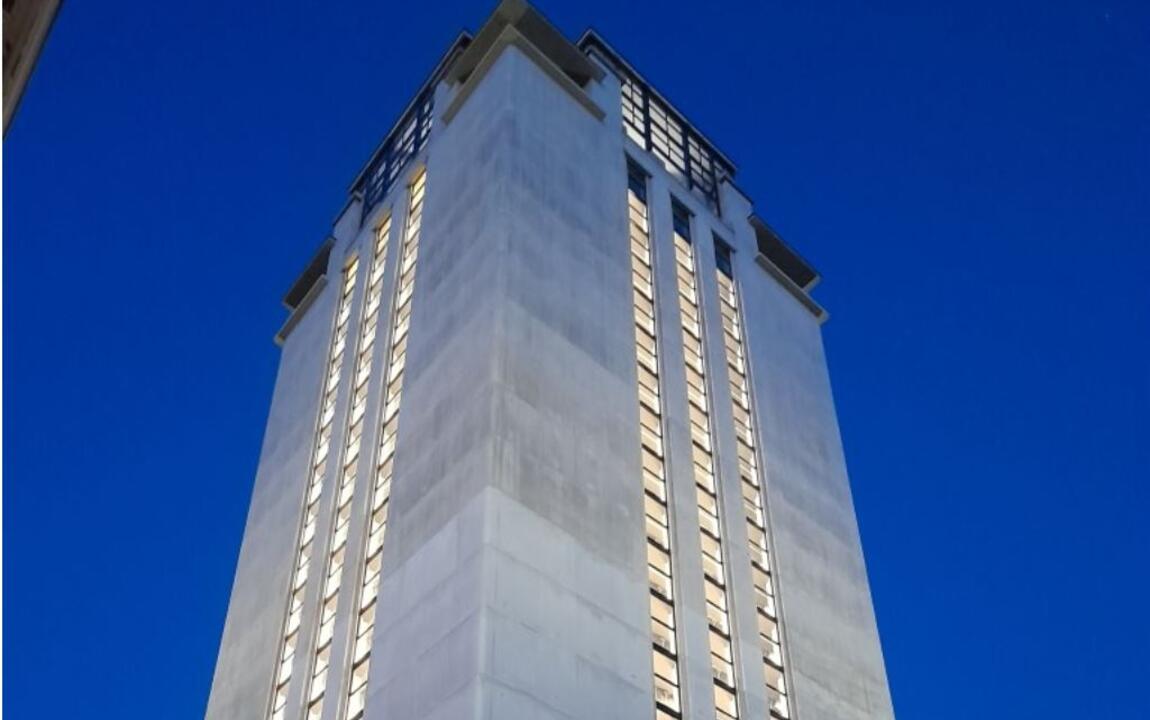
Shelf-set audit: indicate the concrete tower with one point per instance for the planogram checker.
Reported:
(552, 435)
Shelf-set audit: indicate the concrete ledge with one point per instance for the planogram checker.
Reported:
(784, 257)
(508, 37)
(315, 269)
(527, 20)
(815, 309)
(297, 314)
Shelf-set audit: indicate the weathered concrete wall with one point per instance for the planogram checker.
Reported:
(835, 660)
(568, 634)
(514, 574)
(693, 633)
(241, 686)
(837, 670)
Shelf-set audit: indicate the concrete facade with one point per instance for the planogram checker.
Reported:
(514, 578)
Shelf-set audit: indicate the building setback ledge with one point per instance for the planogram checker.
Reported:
(298, 313)
(316, 268)
(527, 22)
(815, 309)
(516, 24)
(787, 266)
(783, 255)
(305, 289)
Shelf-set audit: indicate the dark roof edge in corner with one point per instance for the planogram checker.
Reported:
(445, 61)
(316, 269)
(300, 311)
(537, 30)
(786, 266)
(591, 39)
(793, 265)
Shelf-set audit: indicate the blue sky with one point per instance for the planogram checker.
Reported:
(972, 180)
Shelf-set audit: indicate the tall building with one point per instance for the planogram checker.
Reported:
(553, 435)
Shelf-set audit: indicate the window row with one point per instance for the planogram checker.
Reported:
(711, 534)
(403, 144)
(338, 536)
(655, 127)
(380, 493)
(665, 647)
(770, 634)
(289, 638)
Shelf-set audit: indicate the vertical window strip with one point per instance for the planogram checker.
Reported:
(665, 653)
(289, 638)
(337, 537)
(706, 489)
(378, 501)
(770, 627)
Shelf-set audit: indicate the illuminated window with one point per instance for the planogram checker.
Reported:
(289, 638)
(400, 147)
(337, 541)
(706, 491)
(654, 126)
(769, 625)
(364, 621)
(660, 570)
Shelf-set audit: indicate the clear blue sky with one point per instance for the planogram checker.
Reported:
(972, 181)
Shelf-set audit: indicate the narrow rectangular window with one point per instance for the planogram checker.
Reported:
(289, 636)
(711, 534)
(341, 520)
(754, 497)
(380, 492)
(660, 568)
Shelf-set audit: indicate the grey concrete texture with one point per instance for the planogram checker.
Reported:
(521, 404)
(834, 649)
(241, 686)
